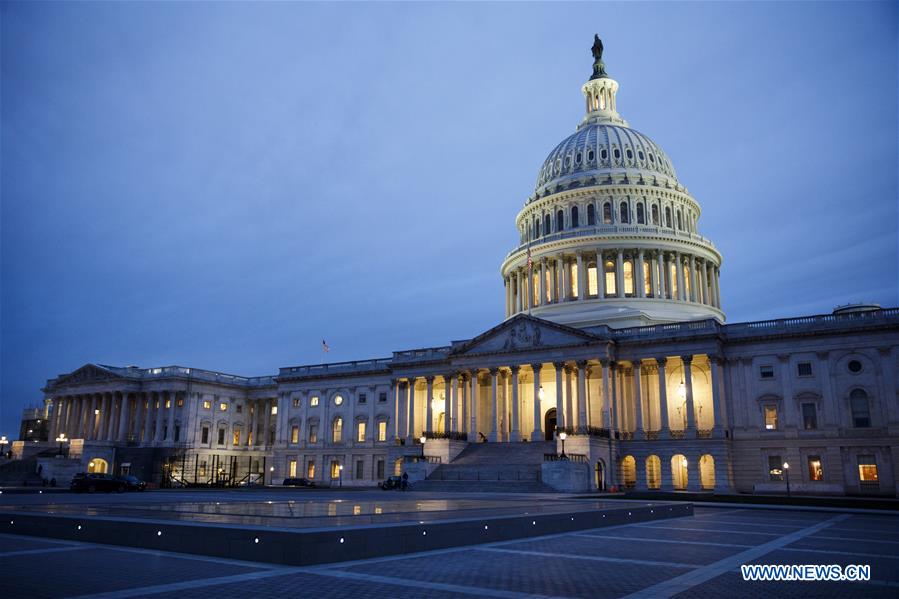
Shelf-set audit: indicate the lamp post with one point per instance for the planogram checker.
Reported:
(423, 439)
(271, 476)
(787, 474)
(563, 436)
(3, 443)
(340, 475)
(61, 439)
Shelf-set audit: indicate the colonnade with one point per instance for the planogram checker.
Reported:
(118, 416)
(622, 273)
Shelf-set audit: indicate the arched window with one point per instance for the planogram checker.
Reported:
(536, 229)
(655, 214)
(629, 471)
(560, 220)
(707, 472)
(547, 224)
(679, 474)
(616, 153)
(590, 156)
(861, 412)
(604, 154)
(629, 154)
(667, 216)
(607, 213)
(623, 212)
(641, 215)
(611, 290)
(591, 215)
(653, 472)
(592, 285)
(680, 223)
(628, 278)
(337, 430)
(575, 221)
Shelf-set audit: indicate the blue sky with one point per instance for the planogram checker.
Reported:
(222, 185)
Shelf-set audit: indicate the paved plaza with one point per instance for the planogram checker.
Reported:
(696, 556)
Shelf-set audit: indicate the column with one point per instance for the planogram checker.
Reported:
(542, 282)
(566, 283)
(704, 283)
(399, 413)
(569, 398)
(604, 394)
(716, 293)
(638, 399)
(561, 277)
(600, 276)
(581, 277)
(679, 271)
(429, 406)
(664, 288)
(693, 279)
(537, 434)
(640, 278)
(582, 393)
(139, 417)
(654, 275)
(663, 400)
(688, 383)
(613, 409)
(516, 432)
(529, 274)
(173, 402)
(619, 273)
(717, 397)
(473, 407)
(111, 419)
(160, 416)
(493, 399)
(560, 411)
(451, 415)
(92, 418)
(282, 410)
(830, 409)
(123, 418)
(103, 402)
(253, 422)
(411, 434)
(508, 287)
(463, 403)
(54, 419)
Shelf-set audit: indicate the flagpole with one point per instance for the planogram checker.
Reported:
(530, 274)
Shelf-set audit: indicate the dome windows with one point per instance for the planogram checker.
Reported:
(591, 215)
(575, 221)
(547, 224)
(604, 154)
(641, 155)
(577, 158)
(624, 213)
(560, 220)
(680, 222)
(629, 154)
(652, 158)
(590, 155)
(655, 214)
(616, 153)
(641, 214)
(607, 213)
(567, 161)
(668, 216)
(611, 288)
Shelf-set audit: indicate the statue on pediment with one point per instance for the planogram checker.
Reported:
(524, 334)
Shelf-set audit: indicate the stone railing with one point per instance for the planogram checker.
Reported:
(589, 431)
(704, 433)
(421, 355)
(430, 459)
(653, 435)
(678, 434)
(569, 457)
(198, 374)
(451, 435)
(627, 229)
(337, 368)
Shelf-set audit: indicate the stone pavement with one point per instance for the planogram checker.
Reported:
(689, 557)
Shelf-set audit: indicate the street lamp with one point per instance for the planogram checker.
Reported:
(61, 439)
(3, 443)
(340, 474)
(423, 439)
(787, 474)
(563, 436)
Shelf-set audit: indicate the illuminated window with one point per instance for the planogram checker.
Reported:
(687, 280)
(655, 210)
(611, 289)
(223, 407)
(180, 402)
(623, 213)
(592, 285)
(337, 430)
(313, 433)
(591, 215)
(168, 404)
(292, 468)
(338, 399)
(815, 471)
(771, 418)
(607, 213)
(641, 214)
(548, 284)
(335, 469)
(867, 469)
(535, 281)
(202, 468)
(207, 405)
(313, 401)
(672, 276)
(296, 402)
(575, 220)
(382, 431)
(572, 277)
(235, 436)
(858, 403)
(310, 469)
(295, 434)
(628, 278)
(647, 279)
(360, 432)
(775, 468)
(274, 410)
(809, 416)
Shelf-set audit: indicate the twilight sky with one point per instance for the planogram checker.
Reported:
(222, 185)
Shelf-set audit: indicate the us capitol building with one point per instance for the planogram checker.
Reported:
(614, 350)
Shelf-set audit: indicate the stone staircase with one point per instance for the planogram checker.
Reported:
(14, 473)
(493, 468)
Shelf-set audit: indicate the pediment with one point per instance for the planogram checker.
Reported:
(87, 374)
(524, 332)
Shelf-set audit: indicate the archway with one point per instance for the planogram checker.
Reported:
(549, 424)
(653, 472)
(629, 471)
(707, 472)
(600, 473)
(98, 466)
(679, 471)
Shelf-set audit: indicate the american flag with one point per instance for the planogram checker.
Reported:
(325, 347)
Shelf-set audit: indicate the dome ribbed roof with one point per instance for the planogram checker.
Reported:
(598, 150)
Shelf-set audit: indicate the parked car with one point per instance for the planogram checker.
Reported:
(392, 483)
(94, 481)
(132, 483)
(298, 482)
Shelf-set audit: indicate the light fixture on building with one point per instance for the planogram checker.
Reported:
(96, 412)
(540, 393)
(682, 390)
(684, 462)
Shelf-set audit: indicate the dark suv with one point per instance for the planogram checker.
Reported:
(298, 482)
(93, 481)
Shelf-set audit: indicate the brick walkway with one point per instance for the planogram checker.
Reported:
(695, 557)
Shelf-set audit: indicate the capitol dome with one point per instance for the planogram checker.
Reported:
(610, 236)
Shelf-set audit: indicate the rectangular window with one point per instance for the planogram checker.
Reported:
(867, 469)
(165, 431)
(313, 401)
(335, 469)
(235, 436)
(296, 402)
(382, 397)
(572, 277)
(310, 469)
(360, 432)
(294, 434)
(382, 431)
(239, 408)
(337, 430)
(861, 415)
(362, 398)
(771, 418)
(815, 471)
(549, 285)
(202, 468)
(766, 371)
(360, 469)
(180, 402)
(223, 407)
(177, 433)
(628, 278)
(221, 438)
(672, 278)
(592, 284)
(380, 474)
(611, 289)
(292, 468)
(647, 279)
(274, 410)
(207, 405)
(168, 404)
(313, 433)
(535, 281)
(809, 416)
(775, 468)
(204, 435)
(804, 369)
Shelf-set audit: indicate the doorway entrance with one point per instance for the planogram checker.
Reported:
(549, 424)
